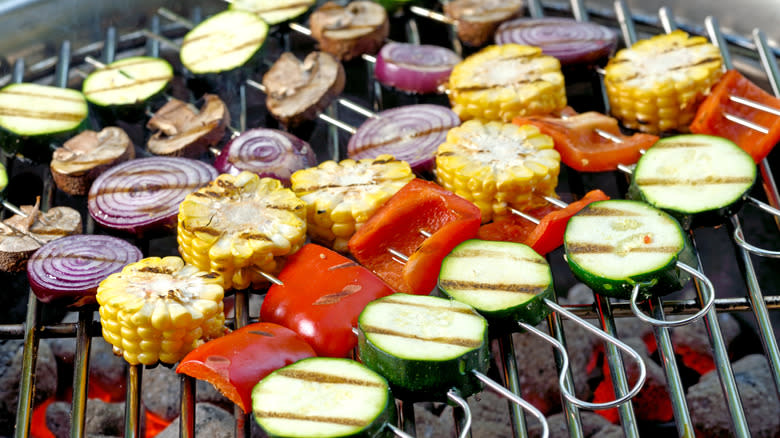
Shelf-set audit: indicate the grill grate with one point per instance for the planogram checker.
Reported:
(604, 309)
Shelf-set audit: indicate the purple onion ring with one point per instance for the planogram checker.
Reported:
(414, 68)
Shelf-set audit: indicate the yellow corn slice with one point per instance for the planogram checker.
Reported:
(342, 196)
(507, 81)
(240, 226)
(658, 84)
(498, 165)
(160, 309)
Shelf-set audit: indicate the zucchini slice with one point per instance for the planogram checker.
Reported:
(274, 11)
(32, 116)
(504, 281)
(224, 42)
(697, 178)
(424, 345)
(324, 397)
(127, 83)
(613, 245)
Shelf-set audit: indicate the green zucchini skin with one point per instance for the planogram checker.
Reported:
(677, 148)
(424, 379)
(376, 429)
(656, 282)
(532, 311)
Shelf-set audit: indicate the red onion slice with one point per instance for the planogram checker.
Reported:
(409, 133)
(571, 41)
(144, 194)
(414, 68)
(68, 270)
(266, 152)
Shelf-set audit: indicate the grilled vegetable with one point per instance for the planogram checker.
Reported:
(658, 83)
(349, 31)
(697, 178)
(224, 42)
(504, 281)
(33, 116)
(181, 131)
(3, 177)
(324, 315)
(235, 362)
(160, 309)
(711, 115)
(342, 196)
(274, 12)
(324, 397)
(80, 160)
(570, 41)
(21, 236)
(424, 345)
(122, 89)
(266, 152)
(583, 148)
(414, 68)
(240, 225)
(498, 165)
(298, 91)
(504, 82)
(613, 245)
(477, 20)
(67, 271)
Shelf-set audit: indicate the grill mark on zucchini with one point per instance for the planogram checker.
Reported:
(135, 83)
(401, 138)
(41, 115)
(129, 64)
(710, 180)
(44, 96)
(465, 253)
(242, 46)
(317, 377)
(465, 311)
(313, 418)
(493, 287)
(600, 211)
(460, 342)
(680, 144)
(596, 248)
(282, 9)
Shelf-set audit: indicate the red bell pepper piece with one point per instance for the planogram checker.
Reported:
(420, 206)
(321, 299)
(236, 362)
(548, 234)
(710, 118)
(582, 148)
(513, 228)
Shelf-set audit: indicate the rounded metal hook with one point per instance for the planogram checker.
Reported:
(565, 390)
(708, 288)
(739, 238)
(398, 432)
(454, 396)
(514, 398)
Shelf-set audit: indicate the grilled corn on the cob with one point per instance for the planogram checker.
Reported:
(507, 81)
(498, 165)
(658, 83)
(239, 226)
(342, 196)
(160, 309)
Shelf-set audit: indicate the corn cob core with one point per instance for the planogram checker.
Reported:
(239, 226)
(658, 83)
(342, 196)
(160, 309)
(498, 165)
(507, 81)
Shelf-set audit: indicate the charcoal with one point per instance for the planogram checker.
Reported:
(592, 426)
(693, 345)
(101, 418)
(210, 421)
(759, 399)
(490, 416)
(58, 419)
(11, 354)
(161, 393)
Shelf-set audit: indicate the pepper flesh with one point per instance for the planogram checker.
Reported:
(710, 118)
(323, 315)
(420, 206)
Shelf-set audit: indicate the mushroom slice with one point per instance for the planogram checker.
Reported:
(80, 160)
(349, 31)
(298, 91)
(21, 236)
(477, 20)
(182, 131)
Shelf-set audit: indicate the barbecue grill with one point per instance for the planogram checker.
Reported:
(56, 50)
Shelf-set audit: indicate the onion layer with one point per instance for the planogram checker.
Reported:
(266, 152)
(409, 133)
(144, 194)
(68, 270)
(571, 41)
(414, 68)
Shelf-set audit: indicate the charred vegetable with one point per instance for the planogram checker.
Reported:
(414, 68)
(182, 131)
(274, 12)
(349, 31)
(477, 20)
